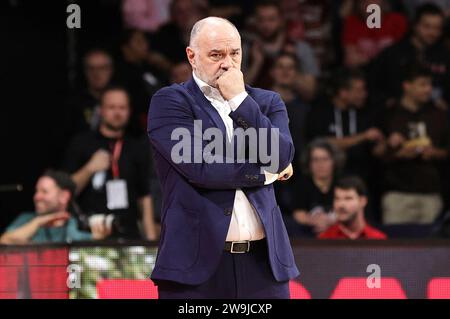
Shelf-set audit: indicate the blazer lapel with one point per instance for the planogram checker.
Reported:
(200, 98)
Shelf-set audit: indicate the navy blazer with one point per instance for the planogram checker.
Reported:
(198, 198)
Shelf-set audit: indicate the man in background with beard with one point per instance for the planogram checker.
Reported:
(52, 219)
(111, 172)
(350, 201)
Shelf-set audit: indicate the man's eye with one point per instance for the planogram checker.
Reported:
(215, 55)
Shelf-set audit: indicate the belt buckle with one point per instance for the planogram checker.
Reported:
(240, 242)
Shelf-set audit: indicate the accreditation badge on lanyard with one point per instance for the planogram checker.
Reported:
(116, 189)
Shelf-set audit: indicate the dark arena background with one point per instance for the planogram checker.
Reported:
(366, 85)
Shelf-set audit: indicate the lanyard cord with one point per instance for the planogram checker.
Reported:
(339, 131)
(116, 151)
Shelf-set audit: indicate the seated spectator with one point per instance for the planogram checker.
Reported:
(141, 78)
(313, 195)
(350, 200)
(111, 171)
(284, 74)
(83, 106)
(310, 21)
(270, 40)
(145, 15)
(418, 140)
(235, 11)
(412, 5)
(422, 46)
(345, 120)
(361, 43)
(172, 38)
(52, 220)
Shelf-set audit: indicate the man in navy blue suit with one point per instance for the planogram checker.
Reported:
(222, 232)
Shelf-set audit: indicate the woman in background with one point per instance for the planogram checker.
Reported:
(314, 192)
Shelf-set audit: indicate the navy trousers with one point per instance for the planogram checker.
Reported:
(239, 276)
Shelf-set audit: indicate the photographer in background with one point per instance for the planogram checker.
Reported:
(52, 220)
(112, 172)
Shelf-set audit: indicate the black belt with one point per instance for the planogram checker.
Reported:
(244, 246)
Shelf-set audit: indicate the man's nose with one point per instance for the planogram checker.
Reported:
(227, 63)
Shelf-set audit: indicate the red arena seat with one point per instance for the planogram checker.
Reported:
(439, 288)
(126, 289)
(356, 288)
(298, 291)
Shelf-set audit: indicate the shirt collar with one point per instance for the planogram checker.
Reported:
(209, 91)
(362, 233)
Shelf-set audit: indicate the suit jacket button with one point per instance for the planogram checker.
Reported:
(228, 211)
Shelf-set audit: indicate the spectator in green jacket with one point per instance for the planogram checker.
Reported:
(51, 221)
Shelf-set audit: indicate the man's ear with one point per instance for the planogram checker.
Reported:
(65, 196)
(190, 55)
(363, 201)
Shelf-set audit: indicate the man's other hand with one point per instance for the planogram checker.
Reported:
(100, 161)
(100, 229)
(286, 173)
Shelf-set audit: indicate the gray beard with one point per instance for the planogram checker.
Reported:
(199, 74)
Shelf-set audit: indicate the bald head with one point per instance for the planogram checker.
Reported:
(214, 47)
(211, 25)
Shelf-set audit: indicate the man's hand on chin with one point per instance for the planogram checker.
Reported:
(231, 83)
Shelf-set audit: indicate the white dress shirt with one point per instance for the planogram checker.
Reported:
(245, 223)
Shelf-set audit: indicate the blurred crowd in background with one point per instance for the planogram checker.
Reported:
(368, 111)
